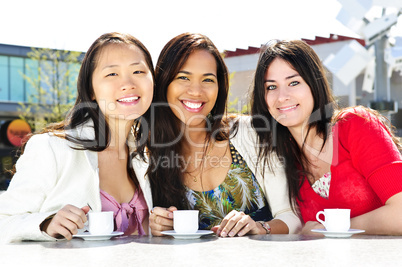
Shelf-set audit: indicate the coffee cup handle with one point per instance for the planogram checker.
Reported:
(317, 216)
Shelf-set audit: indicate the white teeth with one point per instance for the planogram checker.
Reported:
(128, 99)
(192, 104)
(288, 108)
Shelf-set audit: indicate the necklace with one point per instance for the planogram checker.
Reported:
(194, 177)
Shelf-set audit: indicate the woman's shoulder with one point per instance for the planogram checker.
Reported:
(240, 126)
(243, 137)
(44, 137)
(359, 122)
(357, 112)
(47, 140)
(236, 121)
(358, 118)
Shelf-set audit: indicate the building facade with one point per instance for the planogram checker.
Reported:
(22, 74)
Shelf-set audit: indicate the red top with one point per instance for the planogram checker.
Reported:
(366, 167)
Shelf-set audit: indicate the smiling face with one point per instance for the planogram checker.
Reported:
(287, 95)
(122, 82)
(193, 92)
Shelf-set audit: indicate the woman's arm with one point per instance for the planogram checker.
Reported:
(386, 220)
(273, 182)
(20, 215)
(45, 181)
(275, 187)
(377, 158)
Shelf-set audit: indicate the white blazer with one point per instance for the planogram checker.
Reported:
(49, 175)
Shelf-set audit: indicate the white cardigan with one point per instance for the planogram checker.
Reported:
(49, 175)
(274, 184)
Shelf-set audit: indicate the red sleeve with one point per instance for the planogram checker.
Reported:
(372, 151)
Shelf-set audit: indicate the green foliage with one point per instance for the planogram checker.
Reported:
(233, 106)
(51, 77)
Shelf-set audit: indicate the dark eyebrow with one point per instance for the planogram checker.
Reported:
(189, 73)
(292, 76)
(113, 66)
(210, 74)
(287, 78)
(184, 72)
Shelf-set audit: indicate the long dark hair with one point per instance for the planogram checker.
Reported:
(276, 137)
(86, 109)
(165, 147)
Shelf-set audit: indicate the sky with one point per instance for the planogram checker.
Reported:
(230, 24)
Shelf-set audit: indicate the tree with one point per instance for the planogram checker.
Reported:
(51, 76)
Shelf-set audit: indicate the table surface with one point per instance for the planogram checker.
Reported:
(260, 250)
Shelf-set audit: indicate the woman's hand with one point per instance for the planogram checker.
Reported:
(306, 230)
(161, 219)
(238, 223)
(66, 222)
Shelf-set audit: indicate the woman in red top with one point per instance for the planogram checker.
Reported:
(333, 158)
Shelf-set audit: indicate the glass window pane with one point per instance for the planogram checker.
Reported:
(46, 82)
(16, 79)
(32, 81)
(4, 78)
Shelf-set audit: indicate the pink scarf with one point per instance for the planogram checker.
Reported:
(128, 216)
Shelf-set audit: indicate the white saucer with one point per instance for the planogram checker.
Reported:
(342, 234)
(87, 236)
(195, 235)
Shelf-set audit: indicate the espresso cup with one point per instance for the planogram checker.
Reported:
(185, 221)
(100, 223)
(336, 220)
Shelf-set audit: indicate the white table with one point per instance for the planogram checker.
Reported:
(270, 250)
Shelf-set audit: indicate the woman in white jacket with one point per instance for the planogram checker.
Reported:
(85, 161)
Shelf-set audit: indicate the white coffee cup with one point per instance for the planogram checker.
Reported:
(100, 223)
(185, 221)
(336, 220)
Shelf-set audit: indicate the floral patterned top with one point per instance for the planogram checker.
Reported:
(239, 191)
(321, 186)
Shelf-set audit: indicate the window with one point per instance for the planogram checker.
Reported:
(28, 80)
(31, 71)
(17, 79)
(47, 77)
(4, 78)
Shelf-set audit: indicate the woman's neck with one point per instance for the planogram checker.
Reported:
(312, 144)
(303, 135)
(119, 131)
(194, 139)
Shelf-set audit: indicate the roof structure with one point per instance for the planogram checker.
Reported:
(317, 41)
